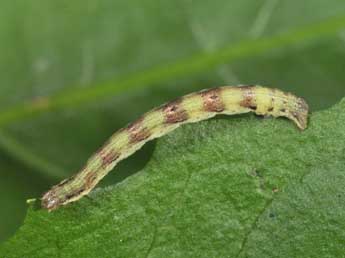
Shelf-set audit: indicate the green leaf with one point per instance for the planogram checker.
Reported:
(73, 72)
(228, 187)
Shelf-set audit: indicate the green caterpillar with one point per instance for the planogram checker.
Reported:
(160, 121)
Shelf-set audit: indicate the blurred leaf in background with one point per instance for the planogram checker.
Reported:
(71, 73)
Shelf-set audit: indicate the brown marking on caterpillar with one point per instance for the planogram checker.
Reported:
(108, 157)
(137, 132)
(174, 113)
(212, 100)
(248, 98)
(75, 193)
(89, 179)
(271, 108)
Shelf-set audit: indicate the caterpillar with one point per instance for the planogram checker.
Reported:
(190, 108)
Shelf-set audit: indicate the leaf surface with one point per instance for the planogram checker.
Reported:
(228, 187)
(73, 72)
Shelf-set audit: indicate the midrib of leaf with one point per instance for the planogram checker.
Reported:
(253, 226)
(160, 74)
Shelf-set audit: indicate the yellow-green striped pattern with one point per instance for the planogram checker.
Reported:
(160, 121)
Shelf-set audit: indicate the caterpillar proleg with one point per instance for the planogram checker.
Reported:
(190, 108)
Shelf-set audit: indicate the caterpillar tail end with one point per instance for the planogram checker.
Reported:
(300, 113)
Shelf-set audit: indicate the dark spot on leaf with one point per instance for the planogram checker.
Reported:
(271, 215)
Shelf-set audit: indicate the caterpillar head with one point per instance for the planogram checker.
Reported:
(51, 200)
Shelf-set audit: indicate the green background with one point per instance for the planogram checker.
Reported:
(71, 73)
